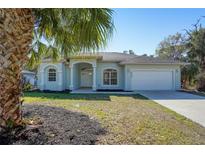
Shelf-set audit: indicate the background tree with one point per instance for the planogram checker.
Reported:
(172, 47)
(188, 48)
(189, 75)
(196, 51)
(175, 47)
(63, 31)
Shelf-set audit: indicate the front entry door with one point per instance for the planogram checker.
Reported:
(86, 78)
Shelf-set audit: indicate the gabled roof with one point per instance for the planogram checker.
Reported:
(105, 56)
(115, 56)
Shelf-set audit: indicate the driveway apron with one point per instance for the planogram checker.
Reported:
(186, 104)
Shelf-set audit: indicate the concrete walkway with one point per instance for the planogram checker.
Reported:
(186, 104)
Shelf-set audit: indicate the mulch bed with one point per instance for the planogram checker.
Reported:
(57, 126)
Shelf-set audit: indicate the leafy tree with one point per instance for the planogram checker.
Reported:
(189, 74)
(64, 31)
(196, 51)
(172, 47)
(196, 46)
(175, 47)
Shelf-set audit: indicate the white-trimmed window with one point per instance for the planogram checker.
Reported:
(110, 77)
(51, 74)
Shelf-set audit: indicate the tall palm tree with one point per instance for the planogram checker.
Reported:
(32, 33)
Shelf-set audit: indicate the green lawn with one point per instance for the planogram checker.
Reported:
(128, 119)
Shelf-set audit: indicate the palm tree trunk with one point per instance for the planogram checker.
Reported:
(16, 27)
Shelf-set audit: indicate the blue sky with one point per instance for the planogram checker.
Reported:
(142, 29)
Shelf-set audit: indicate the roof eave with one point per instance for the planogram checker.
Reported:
(86, 57)
(154, 63)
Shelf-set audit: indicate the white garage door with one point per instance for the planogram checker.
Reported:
(151, 80)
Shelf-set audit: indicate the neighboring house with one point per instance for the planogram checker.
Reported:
(29, 77)
(109, 71)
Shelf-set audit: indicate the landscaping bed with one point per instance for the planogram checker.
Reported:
(55, 126)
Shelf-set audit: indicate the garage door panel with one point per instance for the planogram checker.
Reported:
(151, 80)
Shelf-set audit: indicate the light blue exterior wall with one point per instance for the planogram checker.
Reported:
(123, 75)
(65, 80)
(67, 77)
(120, 75)
(42, 76)
(75, 78)
(178, 77)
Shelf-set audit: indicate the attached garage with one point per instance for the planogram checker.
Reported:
(153, 79)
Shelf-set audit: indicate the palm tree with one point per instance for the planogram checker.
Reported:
(63, 31)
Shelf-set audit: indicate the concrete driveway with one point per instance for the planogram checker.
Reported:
(186, 104)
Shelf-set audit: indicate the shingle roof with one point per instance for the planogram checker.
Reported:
(124, 58)
(149, 60)
(115, 56)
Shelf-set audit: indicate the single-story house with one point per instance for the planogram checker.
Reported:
(109, 71)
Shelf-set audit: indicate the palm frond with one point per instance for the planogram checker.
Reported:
(67, 31)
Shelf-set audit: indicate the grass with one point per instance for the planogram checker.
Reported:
(128, 119)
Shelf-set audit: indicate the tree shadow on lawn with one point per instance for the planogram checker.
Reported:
(63, 95)
(59, 126)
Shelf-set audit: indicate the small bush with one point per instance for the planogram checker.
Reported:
(26, 85)
(201, 81)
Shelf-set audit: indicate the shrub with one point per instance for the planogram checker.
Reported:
(26, 85)
(201, 81)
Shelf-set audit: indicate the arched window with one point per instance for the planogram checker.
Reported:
(110, 77)
(51, 74)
